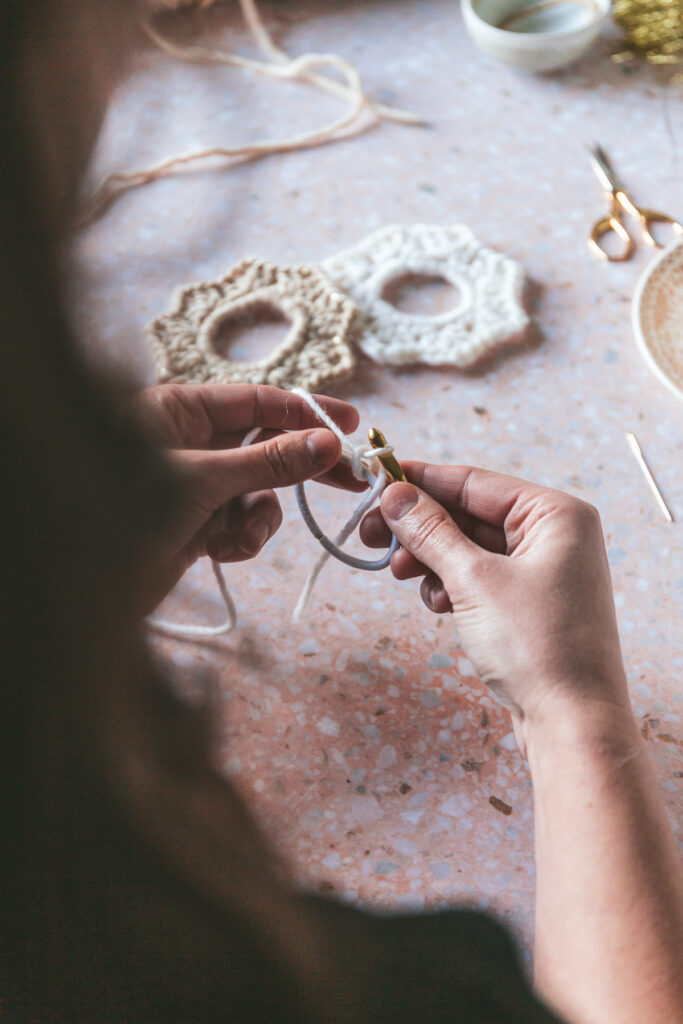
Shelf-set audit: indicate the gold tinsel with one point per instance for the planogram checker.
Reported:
(653, 28)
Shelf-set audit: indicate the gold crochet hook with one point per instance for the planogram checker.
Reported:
(389, 461)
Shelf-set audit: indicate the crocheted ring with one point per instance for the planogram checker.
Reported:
(490, 285)
(316, 350)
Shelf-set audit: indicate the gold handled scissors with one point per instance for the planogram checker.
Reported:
(620, 203)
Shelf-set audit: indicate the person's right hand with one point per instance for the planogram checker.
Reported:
(524, 571)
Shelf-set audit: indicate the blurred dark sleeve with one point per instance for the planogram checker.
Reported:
(454, 967)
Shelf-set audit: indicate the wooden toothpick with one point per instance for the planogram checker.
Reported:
(652, 484)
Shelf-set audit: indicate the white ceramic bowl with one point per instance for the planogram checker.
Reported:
(533, 35)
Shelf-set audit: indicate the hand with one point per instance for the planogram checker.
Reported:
(524, 572)
(228, 509)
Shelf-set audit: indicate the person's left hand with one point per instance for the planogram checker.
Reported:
(229, 510)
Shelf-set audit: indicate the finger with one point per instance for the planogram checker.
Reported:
(405, 566)
(434, 595)
(216, 477)
(487, 496)
(235, 438)
(242, 532)
(261, 519)
(225, 549)
(189, 416)
(339, 476)
(484, 535)
(375, 533)
(429, 533)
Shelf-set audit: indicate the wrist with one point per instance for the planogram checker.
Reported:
(596, 729)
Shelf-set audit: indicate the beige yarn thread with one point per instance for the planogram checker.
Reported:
(276, 54)
(279, 66)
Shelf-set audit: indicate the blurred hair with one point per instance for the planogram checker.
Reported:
(134, 884)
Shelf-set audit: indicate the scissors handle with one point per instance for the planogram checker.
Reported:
(612, 224)
(649, 217)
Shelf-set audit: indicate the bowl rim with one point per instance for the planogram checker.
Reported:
(636, 304)
(529, 39)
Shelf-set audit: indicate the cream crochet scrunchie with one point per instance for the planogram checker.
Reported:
(186, 341)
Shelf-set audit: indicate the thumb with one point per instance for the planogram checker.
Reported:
(427, 531)
(218, 476)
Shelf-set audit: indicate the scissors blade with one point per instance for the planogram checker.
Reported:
(603, 169)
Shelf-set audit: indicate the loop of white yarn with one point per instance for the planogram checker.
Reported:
(365, 465)
(359, 457)
(343, 535)
(361, 454)
(182, 631)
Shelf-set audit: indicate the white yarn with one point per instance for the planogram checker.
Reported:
(362, 458)
(343, 535)
(365, 465)
(322, 415)
(490, 310)
(181, 631)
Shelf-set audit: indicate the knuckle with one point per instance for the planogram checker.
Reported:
(425, 530)
(581, 520)
(168, 397)
(161, 400)
(583, 513)
(279, 460)
(590, 512)
(181, 413)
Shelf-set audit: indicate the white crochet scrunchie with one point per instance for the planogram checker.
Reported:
(489, 312)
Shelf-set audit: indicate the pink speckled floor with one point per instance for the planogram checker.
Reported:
(363, 739)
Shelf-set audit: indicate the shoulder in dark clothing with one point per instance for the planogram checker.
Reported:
(455, 967)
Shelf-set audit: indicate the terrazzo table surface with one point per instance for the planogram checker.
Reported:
(365, 743)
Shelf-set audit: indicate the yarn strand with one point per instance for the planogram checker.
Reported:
(360, 458)
(277, 56)
(270, 49)
(181, 631)
(279, 66)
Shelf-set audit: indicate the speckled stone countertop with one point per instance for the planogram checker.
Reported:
(376, 761)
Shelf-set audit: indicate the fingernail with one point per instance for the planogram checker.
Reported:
(220, 548)
(255, 537)
(322, 447)
(398, 500)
